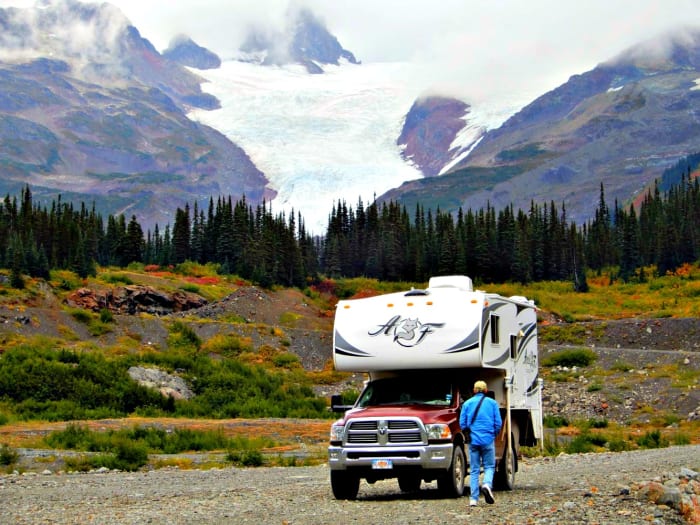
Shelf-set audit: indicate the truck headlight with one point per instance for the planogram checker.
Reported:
(438, 431)
(337, 432)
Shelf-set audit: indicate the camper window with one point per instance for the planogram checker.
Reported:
(495, 329)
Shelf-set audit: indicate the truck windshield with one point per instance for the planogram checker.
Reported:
(405, 391)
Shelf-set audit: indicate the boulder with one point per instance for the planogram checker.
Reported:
(134, 299)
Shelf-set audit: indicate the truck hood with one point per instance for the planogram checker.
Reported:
(426, 413)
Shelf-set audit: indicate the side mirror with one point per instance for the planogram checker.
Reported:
(336, 404)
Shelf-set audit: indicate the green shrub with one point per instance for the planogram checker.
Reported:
(598, 423)
(555, 421)
(619, 445)
(680, 439)
(42, 382)
(3, 419)
(621, 366)
(78, 463)
(80, 315)
(348, 397)
(245, 458)
(130, 455)
(580, 357)
(8, 455)
(106, 316)
(580, 444)
(73, 437)
(652, 439)
(98, 328)
(286, 360)
(227, 345)
(183, 336)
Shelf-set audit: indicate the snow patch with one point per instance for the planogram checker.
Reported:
(324, 138)
(697, 84)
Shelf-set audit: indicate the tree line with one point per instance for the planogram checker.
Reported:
(379, 240)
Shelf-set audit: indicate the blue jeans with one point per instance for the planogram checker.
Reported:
(478, 455)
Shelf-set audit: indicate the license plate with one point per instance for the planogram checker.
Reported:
(382, 464)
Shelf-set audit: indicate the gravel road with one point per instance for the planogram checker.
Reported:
(571, 489)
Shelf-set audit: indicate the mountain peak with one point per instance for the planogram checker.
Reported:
(305, 40)
(679, 48)
(185, 51)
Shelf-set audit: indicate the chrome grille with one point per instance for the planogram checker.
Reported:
(384, 432)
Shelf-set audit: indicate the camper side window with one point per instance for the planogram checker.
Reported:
(495, 329)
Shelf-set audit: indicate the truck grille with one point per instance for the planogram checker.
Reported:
(383, 432)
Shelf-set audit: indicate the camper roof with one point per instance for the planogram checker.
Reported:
(451, 281)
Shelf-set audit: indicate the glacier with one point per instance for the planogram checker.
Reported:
(321, 139)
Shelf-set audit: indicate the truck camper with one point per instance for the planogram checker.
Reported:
(422, 351)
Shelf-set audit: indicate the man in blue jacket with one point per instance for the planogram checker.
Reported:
(484, 428)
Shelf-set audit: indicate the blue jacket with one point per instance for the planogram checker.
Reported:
(488, 422)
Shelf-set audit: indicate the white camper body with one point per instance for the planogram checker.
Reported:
(449, 325)
(423, 351)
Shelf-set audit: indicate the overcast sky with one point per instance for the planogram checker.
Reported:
(476, 46)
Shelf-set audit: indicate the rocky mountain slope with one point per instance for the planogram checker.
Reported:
(621, 124)
(91, 110)
(104, 118)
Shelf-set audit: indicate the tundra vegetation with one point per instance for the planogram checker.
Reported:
(74, 380)
(623, 263)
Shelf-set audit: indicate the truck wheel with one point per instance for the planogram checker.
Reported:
(505, 476)
(409, 483)
(451, 484)
(344, 485)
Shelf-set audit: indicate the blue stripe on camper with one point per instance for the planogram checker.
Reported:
(534, 387)
(344, 348)
(468, 343)
(500, 359)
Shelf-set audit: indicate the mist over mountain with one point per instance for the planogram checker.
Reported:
(620, 124)
(304, 41)
(90, 110)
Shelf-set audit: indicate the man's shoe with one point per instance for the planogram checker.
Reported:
(473, 503)
(488, 495)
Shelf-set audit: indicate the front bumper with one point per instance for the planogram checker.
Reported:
(428, 457)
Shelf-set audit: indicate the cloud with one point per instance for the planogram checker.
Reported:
(475, 49)
(61, 29)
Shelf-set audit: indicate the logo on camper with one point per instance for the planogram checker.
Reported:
(406, 331)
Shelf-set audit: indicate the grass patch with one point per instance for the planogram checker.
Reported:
(580, 357)
(116, 278)
(289, 318)
(128, 449)
(191, 288)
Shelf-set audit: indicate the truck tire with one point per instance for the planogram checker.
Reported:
(409, 483)
(451, 484)
(344, 485)
(505, 475)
